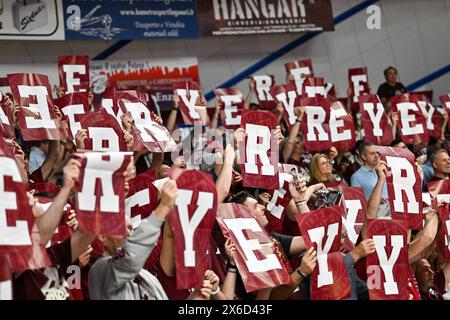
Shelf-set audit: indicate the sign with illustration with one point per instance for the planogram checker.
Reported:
(126, 20)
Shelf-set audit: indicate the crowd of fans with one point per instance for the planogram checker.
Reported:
(142, 265)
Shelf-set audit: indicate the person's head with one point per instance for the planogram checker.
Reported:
(43, 145)
(256, 209)
(114, 243)
(369, 154)
(164, 169)
(299, 146)
(320, 167)
(424, 275)
(390, 74)
(398, 143)
(440, 160)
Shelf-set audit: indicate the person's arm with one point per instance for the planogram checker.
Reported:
(444, 125)
(394, 122)
(309, 261)
(50, 159)
(48, 222)
(229, 284)
(248, 99)
(297, 245)
(171, 121)
(293, 132)
(167, 257)
(157, 160)
(302, 195)
(375, 198)
(223, 182)
(446, 271)
(215, 117)
(126, 265)
(424, 238)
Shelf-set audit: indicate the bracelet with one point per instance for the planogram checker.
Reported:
(213, 293)
(300, 201)
(232, 269)
(297, 120)
(301, 274)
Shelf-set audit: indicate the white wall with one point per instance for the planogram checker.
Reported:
(415, 37)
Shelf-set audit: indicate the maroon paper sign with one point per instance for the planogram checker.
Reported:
(326, 124)
(412, 122)
(289, 99)
(353, 214)
(192, 220)
(6, 119)
(263, 84)
(388, 268)
(37, 117)
(146, 132)
(192, 103)
(73, 106)
(314, 87)
(142, 197)
(404, 186)
(358, 83)
(443, 237)
(445, 101)
(439, 191)
(100, 197)
(231, 102)
(374, 120)
(432, 115)
(19, 248)
(256, 256)
(74, 73)
(279, 198)
(297, 72)
(103, 133)
(259, 154)
(322, 229)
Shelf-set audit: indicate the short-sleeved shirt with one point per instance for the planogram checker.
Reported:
(48, 283)
(367, 179)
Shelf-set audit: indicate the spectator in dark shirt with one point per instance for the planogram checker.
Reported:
(390, 88)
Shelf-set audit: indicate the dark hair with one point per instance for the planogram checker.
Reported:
(239, 197)
(362, 147)
(396, 141)
(432, 149)
(435, 153)
(387, 70)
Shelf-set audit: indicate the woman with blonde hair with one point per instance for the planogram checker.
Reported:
(321, 170)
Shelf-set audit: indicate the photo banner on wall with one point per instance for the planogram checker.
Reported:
(31, 20)
(126, 20)
(240, 17)
(153, 76)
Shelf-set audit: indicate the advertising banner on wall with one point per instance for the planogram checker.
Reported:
(225, 17)
(155, 76)
(142, 19)
(31, 20)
